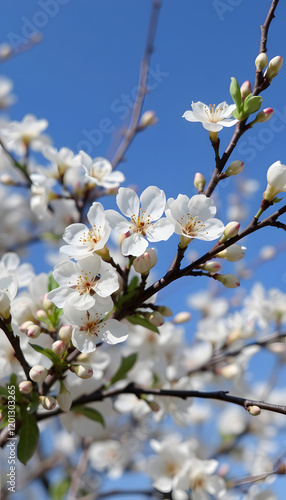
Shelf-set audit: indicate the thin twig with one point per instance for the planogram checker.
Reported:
(142, 86)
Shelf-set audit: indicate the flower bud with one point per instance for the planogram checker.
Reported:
(273, 67)
(48, 402)
(276, 179)
(267, 252)
(33, 331)
(58, 347)
(165, 311)
(38, 373)
(234, 168)
(182, 317)
(5, 50)
(228, 371)
(64, 398)
(82, 371)
(263, 116)
(230, 231)
(261, 61)
(145, 262)
(147, 119)
(245, 89)
(155, 318)
(234, 253)
(47, 304)
(41, 314)
(199, 182)
(4, 305)
(24, 326)
(7, 180)
(25, 387)
(254, 410)
(212, 266)
(228, 280)
(65, 334)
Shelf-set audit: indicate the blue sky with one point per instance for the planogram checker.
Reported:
(82, 77)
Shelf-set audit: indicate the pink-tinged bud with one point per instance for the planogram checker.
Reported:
(234, 168)
(145, 262)
(65, 334)
(155, 318)
(47, 304)
(82, 371)
(245, 89)
(228, 280)
(25, 387)
(273, 67)
(38, 373)
(33, 331)
(182, 317)
(199, 182)
(263, 116)
(230, 231)
(41, 314)
(58, 347)
(147, 119)
(165, 311)
(64, 398)
(254, 410)
(24, 326)
(261, 61)
(234, 253)
(212, 266)
(48, 402)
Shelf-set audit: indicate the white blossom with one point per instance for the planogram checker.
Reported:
(98, 171)
(213, 118)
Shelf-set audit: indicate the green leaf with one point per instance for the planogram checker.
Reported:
(46, 352)
(251, 104)
(235, 92)
(126, 364)
(134, 283)
(58, 490)
(89, 413)
(4, 392)
(52, 284)
(140, 320)
(276, 200)
(28, 438)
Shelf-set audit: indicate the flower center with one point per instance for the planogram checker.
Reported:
(140, 223)
(213, 113)
(191, 227)
(86, 283)
(91, 238)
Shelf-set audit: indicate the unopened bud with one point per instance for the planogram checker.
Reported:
(38, 373)
(182, 317)
(65, 334)
(228, 371)
(254, 410)
(261, 61)
(7, 180)
(273, 67)
(234, 168)
(25, 387)
(4, 305)
(82, 371)
(230, 231)
(58, 347)
(212, 266)
(64, 398)
(48, 402)
(147, 119)
(165, 311)
(234, 253)
(47, 304)
(245, 89)
(145, 262)
(33, 331)
(263, 116)
(24, 326)
(155, 318)
(228, 280)
(41, 314)
(199, 182)
(5, 50)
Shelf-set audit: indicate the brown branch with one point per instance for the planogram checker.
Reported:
(142, 86)
(265, 27)
(15, 343)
